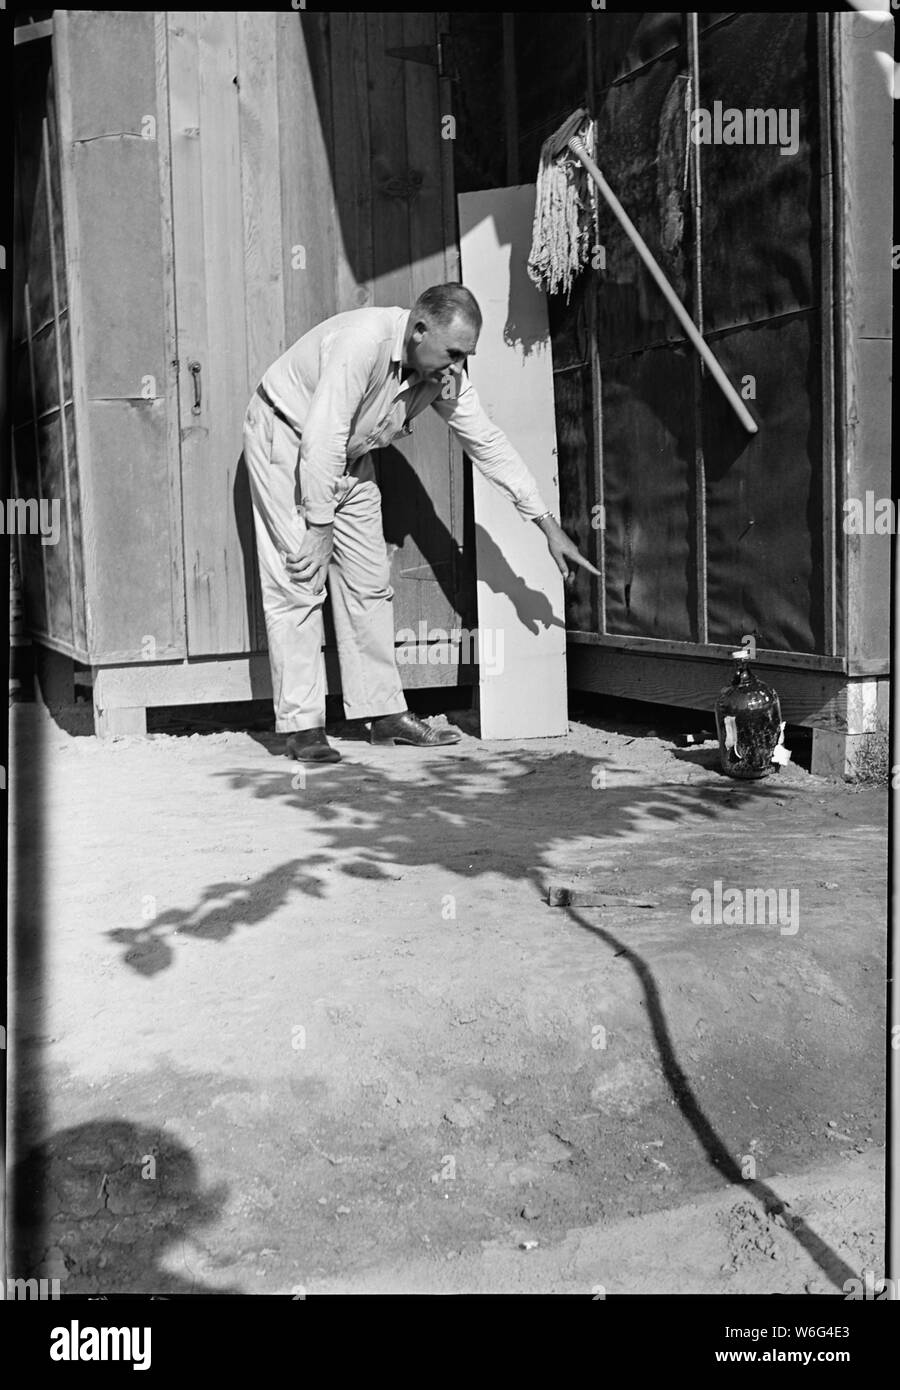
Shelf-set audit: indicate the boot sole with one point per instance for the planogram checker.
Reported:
(411, 743)
(331, 757)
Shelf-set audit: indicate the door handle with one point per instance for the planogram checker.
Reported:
(194, 368)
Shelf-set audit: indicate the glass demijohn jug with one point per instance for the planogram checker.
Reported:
(748, 720)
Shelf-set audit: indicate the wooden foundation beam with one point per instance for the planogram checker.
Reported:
(123, 694)
(817, 699)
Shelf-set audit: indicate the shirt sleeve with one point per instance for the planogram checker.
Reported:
(487, 446)
(347, 362)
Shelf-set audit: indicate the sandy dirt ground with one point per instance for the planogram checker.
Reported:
(282, 1031)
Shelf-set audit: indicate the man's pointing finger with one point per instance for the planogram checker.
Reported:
(585, 564)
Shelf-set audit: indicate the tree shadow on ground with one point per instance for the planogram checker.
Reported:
(717, 1152)
(373, 817)
(365, 818)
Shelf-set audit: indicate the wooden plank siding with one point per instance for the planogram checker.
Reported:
(108, 122)
(269, 171)
(45, 465)
(208, 218)
(311, 241)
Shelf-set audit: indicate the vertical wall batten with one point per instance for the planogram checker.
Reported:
(448, 192)
(595, 379)
(187, 250)
(842, 337)
(57, 335)
(37, 451)
(596, 385)
(218, 619)
(173, 405)
(696, 198)
(450, 240)
(832, 486)
(260, 145)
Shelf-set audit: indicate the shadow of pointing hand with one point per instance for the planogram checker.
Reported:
(533, 608)
(409, 515)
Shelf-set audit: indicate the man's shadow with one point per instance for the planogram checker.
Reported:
(409, 514)
(243, 520)
(111, 1197)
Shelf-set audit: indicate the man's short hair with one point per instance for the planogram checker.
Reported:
(444, 303)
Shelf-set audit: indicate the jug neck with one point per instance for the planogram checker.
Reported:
(743, 676)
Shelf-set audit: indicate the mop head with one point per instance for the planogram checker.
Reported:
(565, 210)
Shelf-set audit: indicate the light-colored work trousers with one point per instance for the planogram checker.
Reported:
(358, 583)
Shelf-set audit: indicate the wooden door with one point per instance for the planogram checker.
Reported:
(226, 229)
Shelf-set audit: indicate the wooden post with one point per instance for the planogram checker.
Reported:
(864, 118)
(863, 128)
(861, 749)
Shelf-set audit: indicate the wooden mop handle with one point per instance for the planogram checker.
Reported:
(646, 255)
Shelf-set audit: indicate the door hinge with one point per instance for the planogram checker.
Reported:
(434, 55)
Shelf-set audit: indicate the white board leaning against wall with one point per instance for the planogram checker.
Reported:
(521, 624)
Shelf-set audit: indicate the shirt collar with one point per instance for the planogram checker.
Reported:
(397, 355)
(397, 349)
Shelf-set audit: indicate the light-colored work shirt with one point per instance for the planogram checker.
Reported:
(341, 388)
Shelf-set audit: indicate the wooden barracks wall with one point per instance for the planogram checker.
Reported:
(218, 182)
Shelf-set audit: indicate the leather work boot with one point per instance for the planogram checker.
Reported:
(408, 728)
(311, 746)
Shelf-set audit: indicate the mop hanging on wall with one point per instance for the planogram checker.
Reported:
(563, 235)
(565, 211)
